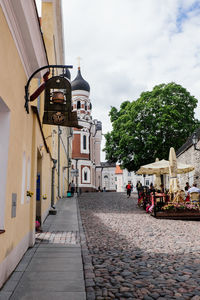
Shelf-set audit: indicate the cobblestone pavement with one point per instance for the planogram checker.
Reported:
(132, 255)
(58, 237)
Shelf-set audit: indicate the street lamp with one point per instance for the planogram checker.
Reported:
(195, 141)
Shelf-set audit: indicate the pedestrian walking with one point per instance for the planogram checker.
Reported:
(72, 188)
(128, 189)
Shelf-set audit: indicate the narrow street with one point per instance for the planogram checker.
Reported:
(132, 255)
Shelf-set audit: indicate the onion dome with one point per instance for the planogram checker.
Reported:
(79, 83)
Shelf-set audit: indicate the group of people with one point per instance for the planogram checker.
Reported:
(129, 188)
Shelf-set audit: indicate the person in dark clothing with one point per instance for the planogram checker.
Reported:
(139, 188)
(187, 187)
(72, 188)
(128, 189)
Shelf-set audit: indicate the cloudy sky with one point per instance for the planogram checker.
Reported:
(129, 46)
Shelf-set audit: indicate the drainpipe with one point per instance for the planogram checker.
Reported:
(68, 159)
(59, 133)
(53, 181)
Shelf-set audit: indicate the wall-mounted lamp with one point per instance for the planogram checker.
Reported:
(57, 101)
(195, 141)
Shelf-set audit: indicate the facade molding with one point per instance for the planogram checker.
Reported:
(24, 26)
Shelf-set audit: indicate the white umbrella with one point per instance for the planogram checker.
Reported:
(157, 179)
(162, 167)
(173, 170)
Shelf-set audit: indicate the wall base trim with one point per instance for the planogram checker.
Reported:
(8, 265)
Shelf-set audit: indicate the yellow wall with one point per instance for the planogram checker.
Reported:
(22, 131)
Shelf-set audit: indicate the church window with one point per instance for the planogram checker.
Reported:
(85, 175)
(84, 142)
(78, 104)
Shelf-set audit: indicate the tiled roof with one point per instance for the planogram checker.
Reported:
(118, 170)
(107, 164)
(187, 144)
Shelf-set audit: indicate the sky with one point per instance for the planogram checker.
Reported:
(129, 46)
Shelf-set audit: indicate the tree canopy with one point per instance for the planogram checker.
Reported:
(146, 128)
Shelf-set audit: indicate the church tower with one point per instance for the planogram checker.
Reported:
(86, 143)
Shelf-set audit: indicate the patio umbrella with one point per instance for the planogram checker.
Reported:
(157, 179)
(173, 170)
(162, 167)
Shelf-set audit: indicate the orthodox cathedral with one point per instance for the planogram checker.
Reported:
(86, 142)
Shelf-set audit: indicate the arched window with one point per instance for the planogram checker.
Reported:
(85, 106)
(78, 104)
(86, 175)
(84, 142)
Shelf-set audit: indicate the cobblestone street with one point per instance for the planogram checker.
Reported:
(132, 255)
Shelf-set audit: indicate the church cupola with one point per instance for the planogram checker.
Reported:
(80, 97)
(79, 83)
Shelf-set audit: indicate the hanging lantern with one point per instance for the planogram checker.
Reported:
(57, 103)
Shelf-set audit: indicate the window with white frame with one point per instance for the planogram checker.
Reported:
(78, 104)
(86, 175)
(84, 142)
(4, 138)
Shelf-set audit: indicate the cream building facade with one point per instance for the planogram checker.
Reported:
(33, 157)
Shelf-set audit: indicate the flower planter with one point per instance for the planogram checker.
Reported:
(178, 215)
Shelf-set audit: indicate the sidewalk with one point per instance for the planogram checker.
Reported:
(53, 268)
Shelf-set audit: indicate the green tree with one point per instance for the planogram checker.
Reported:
(146, 128)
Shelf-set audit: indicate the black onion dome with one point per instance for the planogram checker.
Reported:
(79, 83)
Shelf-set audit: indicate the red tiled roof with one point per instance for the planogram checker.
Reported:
(118, 170)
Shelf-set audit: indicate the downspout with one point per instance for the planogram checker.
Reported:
(53, 181)
(59, 133)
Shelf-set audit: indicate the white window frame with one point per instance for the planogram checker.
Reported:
(87, 170)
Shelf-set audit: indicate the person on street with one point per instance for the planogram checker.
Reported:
(72, 188)
(194, 189)
(139, 188)
(128, 189)
(187, 187)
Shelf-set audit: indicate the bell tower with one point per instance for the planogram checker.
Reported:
(83, 144)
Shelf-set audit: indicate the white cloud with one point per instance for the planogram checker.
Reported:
(128, 46)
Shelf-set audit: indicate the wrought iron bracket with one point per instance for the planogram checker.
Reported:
(53, 67)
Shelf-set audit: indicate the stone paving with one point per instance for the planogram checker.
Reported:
(131, 255)
(58, 237)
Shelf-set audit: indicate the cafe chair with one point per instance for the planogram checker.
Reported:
(194, 198)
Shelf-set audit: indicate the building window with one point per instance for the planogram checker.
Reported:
(84, 142)
(85, 175)
(85, 106)
(78, 104)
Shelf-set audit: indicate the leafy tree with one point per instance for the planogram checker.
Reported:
(146, 128)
